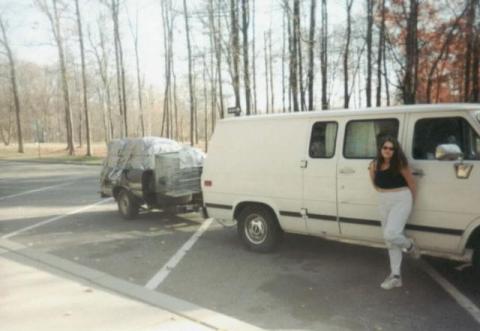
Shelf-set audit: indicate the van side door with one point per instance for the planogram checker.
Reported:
(357, 199)
(446, 204)
(319, 179)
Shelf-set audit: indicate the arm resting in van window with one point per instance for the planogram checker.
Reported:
(407, 174)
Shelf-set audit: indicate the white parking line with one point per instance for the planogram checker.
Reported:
(45, 188)
(175, 259)
(53, 219)
(461, 299)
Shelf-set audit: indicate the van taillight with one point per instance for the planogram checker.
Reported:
(207, 183)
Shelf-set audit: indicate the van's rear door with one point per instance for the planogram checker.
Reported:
(320, 183)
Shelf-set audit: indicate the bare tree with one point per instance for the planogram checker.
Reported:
(311, 63)
(101, 55)
(246, 66)
(346, 93)
(235, 50)
(134, 32)
(54, 19)
(190, 72)
(168, 23)
(13, 80)
(272, 88)
(114, 7)
(267, 89)
(381, 46)
(254, 57)
(324, 53)
(84, 79)
(294, 40)
(368, 88)
(470, 40)
(411, 54)
(215, 31)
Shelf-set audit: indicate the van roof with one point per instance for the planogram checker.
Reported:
(364, 111)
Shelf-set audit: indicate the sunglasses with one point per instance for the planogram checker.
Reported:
(387, 148)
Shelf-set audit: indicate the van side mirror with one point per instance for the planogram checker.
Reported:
(448, 152)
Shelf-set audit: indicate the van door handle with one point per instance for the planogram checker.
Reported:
(418, 172)
(347, 171)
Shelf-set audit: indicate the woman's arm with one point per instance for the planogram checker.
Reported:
(407, 174)
(371, 170)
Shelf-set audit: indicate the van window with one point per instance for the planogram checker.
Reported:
(432, 132)
(322, 140)
(362, 137)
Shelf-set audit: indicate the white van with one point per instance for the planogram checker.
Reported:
(307, 173)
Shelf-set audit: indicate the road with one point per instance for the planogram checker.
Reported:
(55, 213)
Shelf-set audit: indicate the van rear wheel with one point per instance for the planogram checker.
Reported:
(258, 229)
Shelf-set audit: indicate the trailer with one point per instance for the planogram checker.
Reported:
(152, 173)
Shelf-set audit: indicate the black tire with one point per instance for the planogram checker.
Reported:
(258, 229)
(128, 206)
(476, 259)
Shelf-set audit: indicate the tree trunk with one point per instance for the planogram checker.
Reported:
(254, 57)
(267, 94)
(235, 50)
(311, 63)
(246, 66)
(294, 54)
(272, 88)
(13, 81)
(346, 93)
(471, 37)
(84, 80)
(55, 22)
(368, 88)
(411, 53)
(381, 46)
(139, 80)
(298, 32)
(324, 53)
(190, 78)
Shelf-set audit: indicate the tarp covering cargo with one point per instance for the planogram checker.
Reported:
(179, 166)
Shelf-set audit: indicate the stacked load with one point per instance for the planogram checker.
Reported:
(177, 168)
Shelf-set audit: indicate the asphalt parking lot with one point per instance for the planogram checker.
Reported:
(55, 211)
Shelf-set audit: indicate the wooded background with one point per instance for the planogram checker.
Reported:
(312, 55)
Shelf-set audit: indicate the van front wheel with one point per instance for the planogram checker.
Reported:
(258, 229)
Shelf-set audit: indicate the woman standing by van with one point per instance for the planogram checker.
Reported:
(392, 178)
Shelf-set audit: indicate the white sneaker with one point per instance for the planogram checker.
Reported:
(391, 282)
(413, 250)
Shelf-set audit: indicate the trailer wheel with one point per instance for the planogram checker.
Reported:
(127, 205)
(258, 229)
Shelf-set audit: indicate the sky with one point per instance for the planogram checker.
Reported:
(32, 41)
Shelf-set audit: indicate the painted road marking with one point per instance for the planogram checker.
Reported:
(175, 259)
(45, 188)
(56, 218)
(461, 299)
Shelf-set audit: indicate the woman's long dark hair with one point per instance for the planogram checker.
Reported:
(398, 161)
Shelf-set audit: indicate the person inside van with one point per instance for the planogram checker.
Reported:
(392, 178)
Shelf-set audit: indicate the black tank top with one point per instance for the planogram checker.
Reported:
(386, 179)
